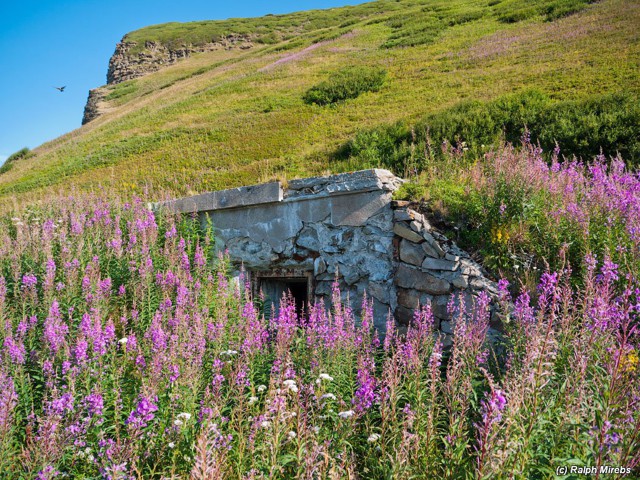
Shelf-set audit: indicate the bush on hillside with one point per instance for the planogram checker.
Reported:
(20, 154)
(345, 84)
(585, 128)
(511, 11)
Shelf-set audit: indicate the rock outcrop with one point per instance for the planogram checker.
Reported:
(126, 65)
(96, 104)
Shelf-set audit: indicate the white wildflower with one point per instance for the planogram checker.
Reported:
(324, 376)
(374, 437)
(316, 429)
(177, 423)
(262, 388)
(291, 435)
(346, 414)
(328, 396)
(123, 341)
(291, 385)
(252, 400)
(229, 352)
(265, 424)
(184, 416)
(171, 445)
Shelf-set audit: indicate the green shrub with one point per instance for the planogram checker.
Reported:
(122, 89)
(345, 84)
(584, 128)
(412, 30)
(512, 11)
(410, 191)
(11, 159)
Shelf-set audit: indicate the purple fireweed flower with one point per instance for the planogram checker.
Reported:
(492, 405)
(80, 351)
(199, 258)
(609, 272)
(174, 373)
(47, 367)
(182, 296)
(131, 343)
(523, 311)
(140, 362)
(365, 393)
(94, 404)
(3, 291)
(143, 412)
(216, 440)
(8, 400)
(50, 273)
(242, 377)
(15, 349)
(503, 290)
(66, 367)
(409, 415)
(104, 287)
(29, 281)
(171, 233)
(184, 262)
(54, 328)
(156, 334)
(60, 405)
(22, 328)
(47, 473)
(435, 360)
(482, 357)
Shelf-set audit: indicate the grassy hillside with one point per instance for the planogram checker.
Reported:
(226, 118)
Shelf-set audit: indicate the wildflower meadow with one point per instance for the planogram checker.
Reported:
(127, 351)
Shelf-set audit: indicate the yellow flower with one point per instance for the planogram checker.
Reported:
(499, 235)
(629, 363)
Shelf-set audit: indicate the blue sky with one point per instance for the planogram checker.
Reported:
(45, 44)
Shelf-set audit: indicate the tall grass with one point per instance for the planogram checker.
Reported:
(127, 352)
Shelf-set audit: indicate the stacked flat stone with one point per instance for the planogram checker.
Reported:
(431, 268)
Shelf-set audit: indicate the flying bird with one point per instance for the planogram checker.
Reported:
(61, 89)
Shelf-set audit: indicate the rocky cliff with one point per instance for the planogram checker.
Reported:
(96, 104)
(127, 62)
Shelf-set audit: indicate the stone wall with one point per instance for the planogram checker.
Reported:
(430, 268)
(347, 227)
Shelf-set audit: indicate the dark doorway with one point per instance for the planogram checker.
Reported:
(273, 288)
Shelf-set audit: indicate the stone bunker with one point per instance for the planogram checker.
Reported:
(302, 236)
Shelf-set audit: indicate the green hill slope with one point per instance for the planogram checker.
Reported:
(228, 117)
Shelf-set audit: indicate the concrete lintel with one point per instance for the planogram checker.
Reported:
(343, 183)
(223, 199)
